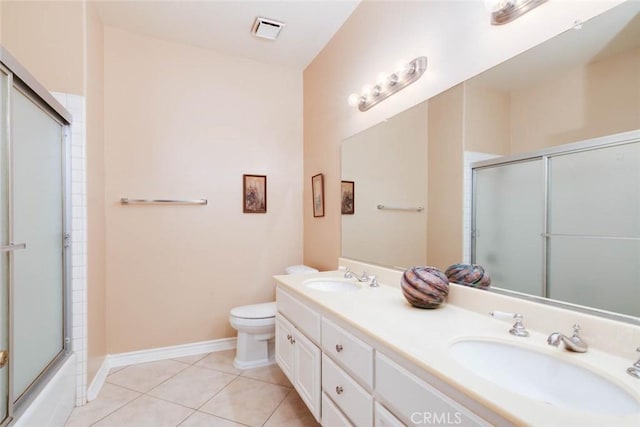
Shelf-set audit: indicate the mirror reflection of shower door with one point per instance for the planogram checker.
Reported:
(4, 242)
(37, 145)
(508, 223)
(594, 226)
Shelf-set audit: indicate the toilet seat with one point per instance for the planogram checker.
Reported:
(255, 311)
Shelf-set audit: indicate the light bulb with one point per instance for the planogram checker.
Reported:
(382, 78)
(366, 90)
(401, 68)
(497, 5)
(353, 99)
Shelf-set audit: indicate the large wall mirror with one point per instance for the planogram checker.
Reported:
(582, 84)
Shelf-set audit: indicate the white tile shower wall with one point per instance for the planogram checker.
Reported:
(76, 106)
(469, 158)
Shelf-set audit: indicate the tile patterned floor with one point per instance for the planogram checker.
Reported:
(194, 391)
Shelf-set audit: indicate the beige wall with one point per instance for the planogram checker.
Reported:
(186, 123)
(47, 38)
(599, 99)
(96, 233)
(459, 42)
(446, 144)
(389, 166)
(487, 120)
(55, 41)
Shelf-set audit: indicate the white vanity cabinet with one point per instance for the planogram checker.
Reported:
(384, 418)
(351, 353)
(298, 357)
(331, 415)
(416, 402)
(353, 400)
(350, 382)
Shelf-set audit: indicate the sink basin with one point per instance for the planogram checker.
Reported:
(542, 377)
(328, 285)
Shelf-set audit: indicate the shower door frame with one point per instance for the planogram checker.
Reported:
(624, 138)
(20, 79)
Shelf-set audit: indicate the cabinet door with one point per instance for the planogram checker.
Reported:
(384, 418)
(331, 415)
(415, 402)
(306, 365)
(354, 401)
(284, 346)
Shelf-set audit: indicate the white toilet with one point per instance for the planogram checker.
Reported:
(256, 326)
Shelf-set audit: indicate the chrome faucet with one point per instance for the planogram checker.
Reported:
(373, 282)
(518, 328)
(572, 343)
(634, 370)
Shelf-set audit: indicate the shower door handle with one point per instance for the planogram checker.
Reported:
(4, 358)
(13, 247)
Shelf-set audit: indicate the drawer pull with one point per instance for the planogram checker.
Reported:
(339, 348)
(339, 389)
(293, 340)
(289, 337)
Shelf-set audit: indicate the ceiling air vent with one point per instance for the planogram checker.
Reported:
(266, 28)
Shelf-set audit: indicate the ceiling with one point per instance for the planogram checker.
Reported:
(225, 26)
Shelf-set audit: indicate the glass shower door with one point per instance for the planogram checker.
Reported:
(508, 225)
(37, 147)
(594, 228)
(5, 243)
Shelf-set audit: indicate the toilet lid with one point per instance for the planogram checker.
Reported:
(255, 311)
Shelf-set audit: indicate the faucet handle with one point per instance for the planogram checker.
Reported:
(348, 273)
(634, 370)
(576, 330)
(374, 281)
(518, 329)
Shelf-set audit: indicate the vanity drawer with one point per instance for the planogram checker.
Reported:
(331, 415)
(414, 401)
(384, 418)
(350, 352)
(298, 313)
(350, 397)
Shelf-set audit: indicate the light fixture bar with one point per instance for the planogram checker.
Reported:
(392, 84)
(512, 10)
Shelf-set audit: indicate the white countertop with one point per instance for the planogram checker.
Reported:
(423, 337)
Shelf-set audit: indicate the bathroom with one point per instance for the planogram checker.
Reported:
(168, 117)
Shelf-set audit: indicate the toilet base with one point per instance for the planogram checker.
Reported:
(254, 351)
(253, 364)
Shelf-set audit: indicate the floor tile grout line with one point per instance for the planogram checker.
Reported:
(187, 417)
(277, 407)
(217, 393)
(116, 410)
(218, 416)
(236, 376)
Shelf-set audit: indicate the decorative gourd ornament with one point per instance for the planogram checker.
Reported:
(424, 287)
(472, 275)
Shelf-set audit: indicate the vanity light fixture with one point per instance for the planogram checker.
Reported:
(387, 85)
(505, 11)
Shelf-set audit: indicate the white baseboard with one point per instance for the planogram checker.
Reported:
(98, 381)
(152, 355)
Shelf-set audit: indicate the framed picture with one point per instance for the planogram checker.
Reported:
(317, 187)
(348, 198)
(254, 193)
